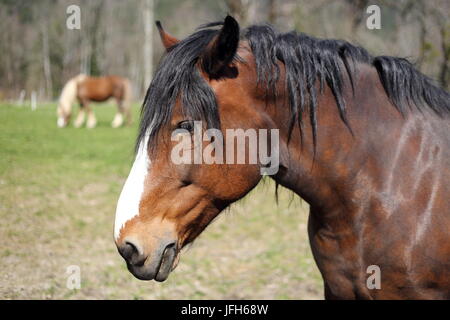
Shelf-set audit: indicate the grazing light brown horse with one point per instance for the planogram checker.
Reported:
(98, 89)
(364, 140)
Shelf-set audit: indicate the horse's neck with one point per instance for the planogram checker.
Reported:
(68, 95)
(325, 176)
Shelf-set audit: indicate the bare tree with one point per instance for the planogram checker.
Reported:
(356, 11)
(272, 11)
(430, 16)
(148, 41)
(94, 44)
(444, 74)
(46, 60)
(39, 53)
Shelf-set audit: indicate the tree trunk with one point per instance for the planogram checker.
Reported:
(445, 47)
(148, 41)
(94, 65)
(46, 64)
(272, 11)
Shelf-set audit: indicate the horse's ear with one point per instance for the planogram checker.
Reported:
(167, 40)
(220, 53)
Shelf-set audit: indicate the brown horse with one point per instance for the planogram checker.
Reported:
(98, 89)
(364, 140)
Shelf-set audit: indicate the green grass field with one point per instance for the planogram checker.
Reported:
(58, 192)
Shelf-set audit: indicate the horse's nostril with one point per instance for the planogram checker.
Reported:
(170, 245)
(129, 250)
(131, 253)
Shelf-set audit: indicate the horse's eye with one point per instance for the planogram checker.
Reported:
(186, 125)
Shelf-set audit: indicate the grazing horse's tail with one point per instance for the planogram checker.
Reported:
(127, 96)
(68, 95)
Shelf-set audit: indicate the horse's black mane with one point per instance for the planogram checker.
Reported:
(306, 60)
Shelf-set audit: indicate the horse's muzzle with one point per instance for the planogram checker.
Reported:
(156, 265)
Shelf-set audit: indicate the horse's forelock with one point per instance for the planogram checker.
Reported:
(177, 76)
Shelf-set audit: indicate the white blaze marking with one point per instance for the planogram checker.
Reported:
(130, 197)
